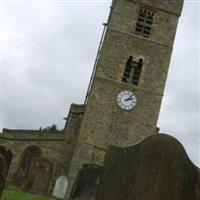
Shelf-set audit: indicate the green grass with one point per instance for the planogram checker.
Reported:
(13, 193)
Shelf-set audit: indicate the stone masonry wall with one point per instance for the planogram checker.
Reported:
(53, 147)
(57, 147)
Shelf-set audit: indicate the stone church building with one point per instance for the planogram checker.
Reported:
(121, 107)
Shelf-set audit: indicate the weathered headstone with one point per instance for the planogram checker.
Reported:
(39, 177)
(3, 168)
(86, 183)
(158, 168)
(27, 159)
(5, 160)
(60, 187)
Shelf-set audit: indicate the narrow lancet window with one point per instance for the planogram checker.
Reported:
(132, 71)
(144, 22)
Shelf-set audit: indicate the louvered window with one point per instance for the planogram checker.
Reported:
(144, 22)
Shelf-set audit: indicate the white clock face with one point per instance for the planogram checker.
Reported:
(126, 100)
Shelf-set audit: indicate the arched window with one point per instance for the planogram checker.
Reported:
(133, 70)
(29, 156)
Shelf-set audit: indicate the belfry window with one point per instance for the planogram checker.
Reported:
(132, 71)
(144, 22)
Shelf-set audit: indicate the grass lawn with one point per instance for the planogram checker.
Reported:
(13, 193)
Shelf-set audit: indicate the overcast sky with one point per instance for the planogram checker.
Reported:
(48, 50)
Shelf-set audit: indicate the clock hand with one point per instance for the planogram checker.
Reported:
(129, 98)
(133, 100)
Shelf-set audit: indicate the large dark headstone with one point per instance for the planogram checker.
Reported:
(86, 183)
(39, 176)
(27, 159)
(158, 168)
(5, 160)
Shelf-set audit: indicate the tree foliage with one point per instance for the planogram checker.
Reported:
(51, 128)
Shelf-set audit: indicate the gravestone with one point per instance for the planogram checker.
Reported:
(158, 168)
(5, 160)
(39, 177)
(87, 182)
(27, 159)
(60, 187)
(3, 169)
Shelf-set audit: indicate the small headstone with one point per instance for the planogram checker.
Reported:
(60, 187)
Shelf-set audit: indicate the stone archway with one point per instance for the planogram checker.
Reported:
(28, 158)
(60, 187)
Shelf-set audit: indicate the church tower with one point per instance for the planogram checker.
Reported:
(127, 86)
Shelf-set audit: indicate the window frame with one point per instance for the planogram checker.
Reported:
(144, 22)
(132, 71)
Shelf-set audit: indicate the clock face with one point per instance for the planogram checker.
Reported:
(126, 100)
